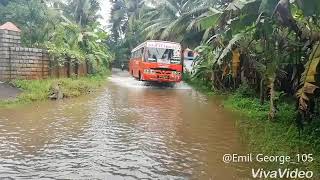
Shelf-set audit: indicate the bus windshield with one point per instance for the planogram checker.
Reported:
(162, 55)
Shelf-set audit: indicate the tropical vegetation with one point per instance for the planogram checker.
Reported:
(266, 53)
(40, 90)
(264, 50)
(70, 30)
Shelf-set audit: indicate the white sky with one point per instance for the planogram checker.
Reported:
(105, 12)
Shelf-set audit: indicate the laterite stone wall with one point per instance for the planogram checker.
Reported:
(29, 63)
(17, 62)
(10, 38)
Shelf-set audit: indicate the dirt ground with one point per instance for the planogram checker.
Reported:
(8, 92)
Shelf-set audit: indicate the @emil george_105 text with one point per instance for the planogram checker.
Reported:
(294, 173)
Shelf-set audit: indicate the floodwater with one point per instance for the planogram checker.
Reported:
(128, 130)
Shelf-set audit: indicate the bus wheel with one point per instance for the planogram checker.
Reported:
(139, 76)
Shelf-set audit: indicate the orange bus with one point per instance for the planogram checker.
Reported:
(159, 61)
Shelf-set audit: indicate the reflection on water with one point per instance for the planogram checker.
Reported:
(124, 132)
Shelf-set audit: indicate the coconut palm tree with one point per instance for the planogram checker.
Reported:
(173, 20)
(72, 44)
(125, 13)
(83, 12)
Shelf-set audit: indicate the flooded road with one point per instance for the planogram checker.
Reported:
(128, 130)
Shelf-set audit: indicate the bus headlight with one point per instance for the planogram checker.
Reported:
(177, 73)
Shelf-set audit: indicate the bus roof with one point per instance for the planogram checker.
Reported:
(154, 41)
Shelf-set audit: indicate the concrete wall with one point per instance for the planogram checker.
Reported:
(10, 38)
(17, 62)
(28, 63)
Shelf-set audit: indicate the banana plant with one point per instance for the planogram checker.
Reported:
(74, 42)
(309, 81)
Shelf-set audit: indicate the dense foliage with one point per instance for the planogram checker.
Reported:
(68, 29)
(267, 51)
(270, 45)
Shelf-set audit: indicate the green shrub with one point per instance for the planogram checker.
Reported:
(245, 90)
(40, 90)
(276, 138)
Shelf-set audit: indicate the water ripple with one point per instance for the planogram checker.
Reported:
(124, 132)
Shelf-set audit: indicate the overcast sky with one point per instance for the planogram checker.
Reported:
(105, 12)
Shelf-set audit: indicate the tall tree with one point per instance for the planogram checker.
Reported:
(83, 12)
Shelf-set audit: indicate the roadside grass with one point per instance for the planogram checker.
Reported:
(276, 138)
(39, 90)
(279, 138)
(199, 85)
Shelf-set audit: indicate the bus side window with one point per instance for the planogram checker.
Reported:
(145, 55)
(138, 53)
(190, 54)
(141, 53)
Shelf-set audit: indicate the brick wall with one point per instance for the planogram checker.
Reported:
(28, 63)
(23, 63)
(10, 38)
(18, 62)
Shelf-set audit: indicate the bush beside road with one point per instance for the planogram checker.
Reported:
(41, 90)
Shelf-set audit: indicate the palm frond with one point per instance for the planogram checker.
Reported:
(308, 81)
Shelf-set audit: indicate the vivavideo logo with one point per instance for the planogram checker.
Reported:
(282, 173)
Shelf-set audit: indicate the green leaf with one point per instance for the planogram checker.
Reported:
(209, 20)
(308, 78)
(309, 7)
(239, 4)
(268, 6)
(228, 49)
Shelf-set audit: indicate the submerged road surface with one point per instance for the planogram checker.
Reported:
(128, 130)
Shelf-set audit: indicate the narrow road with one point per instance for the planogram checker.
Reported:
(129, 130)
(8, 92)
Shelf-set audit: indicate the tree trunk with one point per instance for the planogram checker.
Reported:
(284, 11)
(76, 69)
(87, 67)
(272, 111)
(262, 92)
(212, 80)
(68, 67)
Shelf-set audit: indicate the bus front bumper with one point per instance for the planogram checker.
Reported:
(162, 78)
